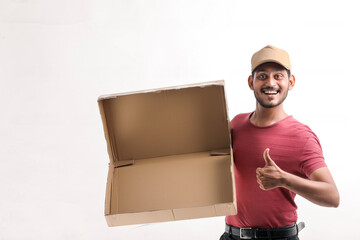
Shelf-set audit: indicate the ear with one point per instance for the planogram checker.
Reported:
(291, 82)
(250, 82)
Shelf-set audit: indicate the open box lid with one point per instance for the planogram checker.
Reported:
(165, 121)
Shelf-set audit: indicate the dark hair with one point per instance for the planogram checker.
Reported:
(253, 72)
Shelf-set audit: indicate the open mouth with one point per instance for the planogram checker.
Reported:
(270, 91)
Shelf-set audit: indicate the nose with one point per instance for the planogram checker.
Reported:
(271, 81)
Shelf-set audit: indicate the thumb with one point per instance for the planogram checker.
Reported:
(267, 158)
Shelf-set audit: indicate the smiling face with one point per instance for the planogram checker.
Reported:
(271, 83)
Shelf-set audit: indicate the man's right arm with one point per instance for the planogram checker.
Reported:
(319, 189)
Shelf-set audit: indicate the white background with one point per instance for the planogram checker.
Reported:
(58, 56)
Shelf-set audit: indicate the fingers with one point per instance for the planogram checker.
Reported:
(260, 178)
(261, 184)
(264, 180)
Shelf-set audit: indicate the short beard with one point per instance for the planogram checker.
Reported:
(258, 99)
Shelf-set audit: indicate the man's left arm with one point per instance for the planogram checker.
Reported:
(319, 189)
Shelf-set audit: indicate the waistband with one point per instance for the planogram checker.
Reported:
(261, 233)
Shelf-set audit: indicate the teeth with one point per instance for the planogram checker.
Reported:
(270, 92)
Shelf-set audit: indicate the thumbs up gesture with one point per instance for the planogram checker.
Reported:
(270, 176)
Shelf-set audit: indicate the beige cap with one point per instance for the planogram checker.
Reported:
(270, 54)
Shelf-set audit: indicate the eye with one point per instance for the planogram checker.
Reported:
(262, 76)
(278, 76)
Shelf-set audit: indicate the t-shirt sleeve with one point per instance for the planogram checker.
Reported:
(312, 157)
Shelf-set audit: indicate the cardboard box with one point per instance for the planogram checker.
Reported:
(170, 154)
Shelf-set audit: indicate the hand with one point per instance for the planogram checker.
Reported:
(270, 176)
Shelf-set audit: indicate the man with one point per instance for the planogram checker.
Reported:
(276, 157)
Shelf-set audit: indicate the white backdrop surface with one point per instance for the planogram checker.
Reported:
(58, 56)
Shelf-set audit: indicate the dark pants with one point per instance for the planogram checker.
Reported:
(226, 236)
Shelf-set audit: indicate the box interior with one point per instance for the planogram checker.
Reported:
(179, 181)
(168, 149)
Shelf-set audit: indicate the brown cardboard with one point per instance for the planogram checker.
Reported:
(170, 154)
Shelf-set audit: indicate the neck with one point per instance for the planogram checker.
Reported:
(267, 116)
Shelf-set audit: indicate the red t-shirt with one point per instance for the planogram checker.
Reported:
(293, 147)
